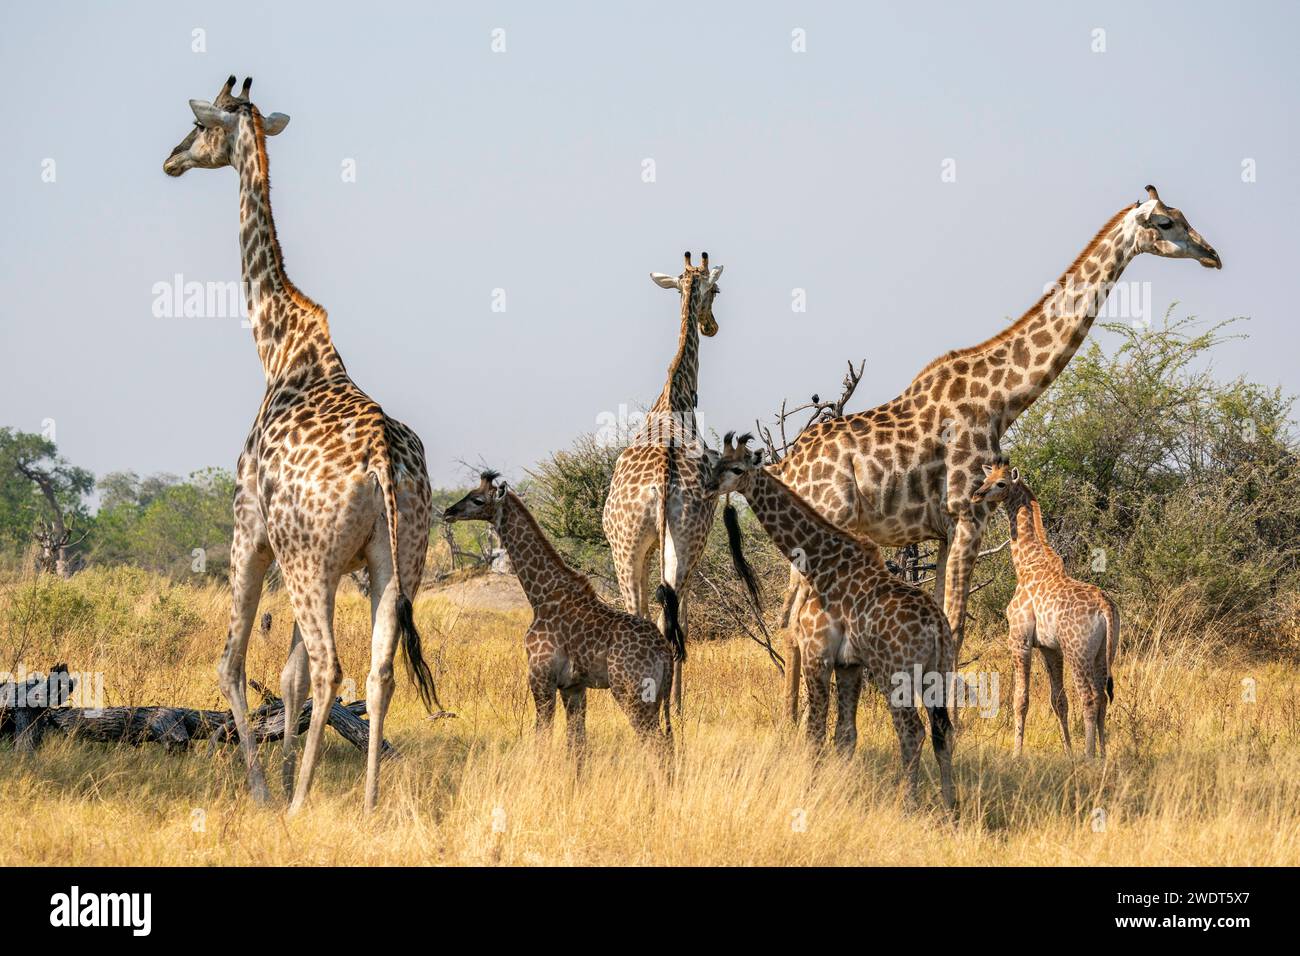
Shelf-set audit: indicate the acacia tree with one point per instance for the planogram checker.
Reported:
(41, 498)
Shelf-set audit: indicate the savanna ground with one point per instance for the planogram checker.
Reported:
(1199, 773)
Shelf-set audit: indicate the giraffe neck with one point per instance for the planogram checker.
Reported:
(1030, 549)
(290, 330)
(542, 573)
(1008, 372)
(806, 539)
(1048, 335)
(679, 394)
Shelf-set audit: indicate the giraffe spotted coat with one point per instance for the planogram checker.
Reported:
(904, 472)
(576, 641)
(326, 483)
(659, 497)
(858, 622)
(1069, 621)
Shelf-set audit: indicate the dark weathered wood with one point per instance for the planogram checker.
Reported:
(24, 710)
(267, 722)
(173, 727)
(43, 697)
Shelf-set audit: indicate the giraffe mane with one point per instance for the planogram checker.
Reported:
(1033, 310)
(259, 137)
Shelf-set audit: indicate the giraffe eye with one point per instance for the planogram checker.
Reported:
(1165, 223)
(477, 501)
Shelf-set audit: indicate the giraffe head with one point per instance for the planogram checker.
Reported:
(1165, 231)
(211, 143)
(481, 504)
(698, 285)
(1001, 483)
(734, 465)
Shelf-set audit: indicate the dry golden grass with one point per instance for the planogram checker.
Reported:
(1197, 775)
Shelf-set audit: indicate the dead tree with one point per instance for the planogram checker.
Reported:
(821, 411)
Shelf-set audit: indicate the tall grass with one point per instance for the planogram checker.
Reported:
(1199, 773)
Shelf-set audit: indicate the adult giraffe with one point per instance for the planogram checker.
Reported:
(326, 483)
(905, 471)
(659, 496)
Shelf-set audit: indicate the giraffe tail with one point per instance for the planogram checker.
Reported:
(666, 595)
(421, 676)
(946, 659)
(731, 520)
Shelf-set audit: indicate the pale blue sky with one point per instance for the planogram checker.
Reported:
(522, 170)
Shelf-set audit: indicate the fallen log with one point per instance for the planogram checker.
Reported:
(25, 707)
(173, 727)
(29, 710)
(267, 722)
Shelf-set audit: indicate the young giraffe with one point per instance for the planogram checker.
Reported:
(1064, 618)
(658, 497)
(903, 472)
(326, 482)
(576, 640)
(857, 621)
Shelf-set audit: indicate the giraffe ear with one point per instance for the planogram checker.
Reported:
(210, 116)
(714, 273)
(988, 469)
(501, 490)
(1015, 474)
(275, 123)
(665, 282)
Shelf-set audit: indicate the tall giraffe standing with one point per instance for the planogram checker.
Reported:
(576, 641)
(1064, 618)
(326, 483)
(903, 472)
(858, 620)
(659, 496)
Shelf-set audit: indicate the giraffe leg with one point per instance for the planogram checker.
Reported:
(911, 735)
(675, 572)
(793, 660)
(250, 556)
(1055, 664)
(848, 688)
(1081, 678)
(1020, 639)
(295, 680)
(541, 681)
(312, 597)
(942, 739)
(384, 636)
(631, 566)
(941, 573)
(817, 689)
(575, 720)
(960, 564)
(793, 665)
(1100, 675)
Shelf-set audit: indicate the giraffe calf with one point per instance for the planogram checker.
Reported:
(576, 640)
(858, 621)
(1064, 618)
